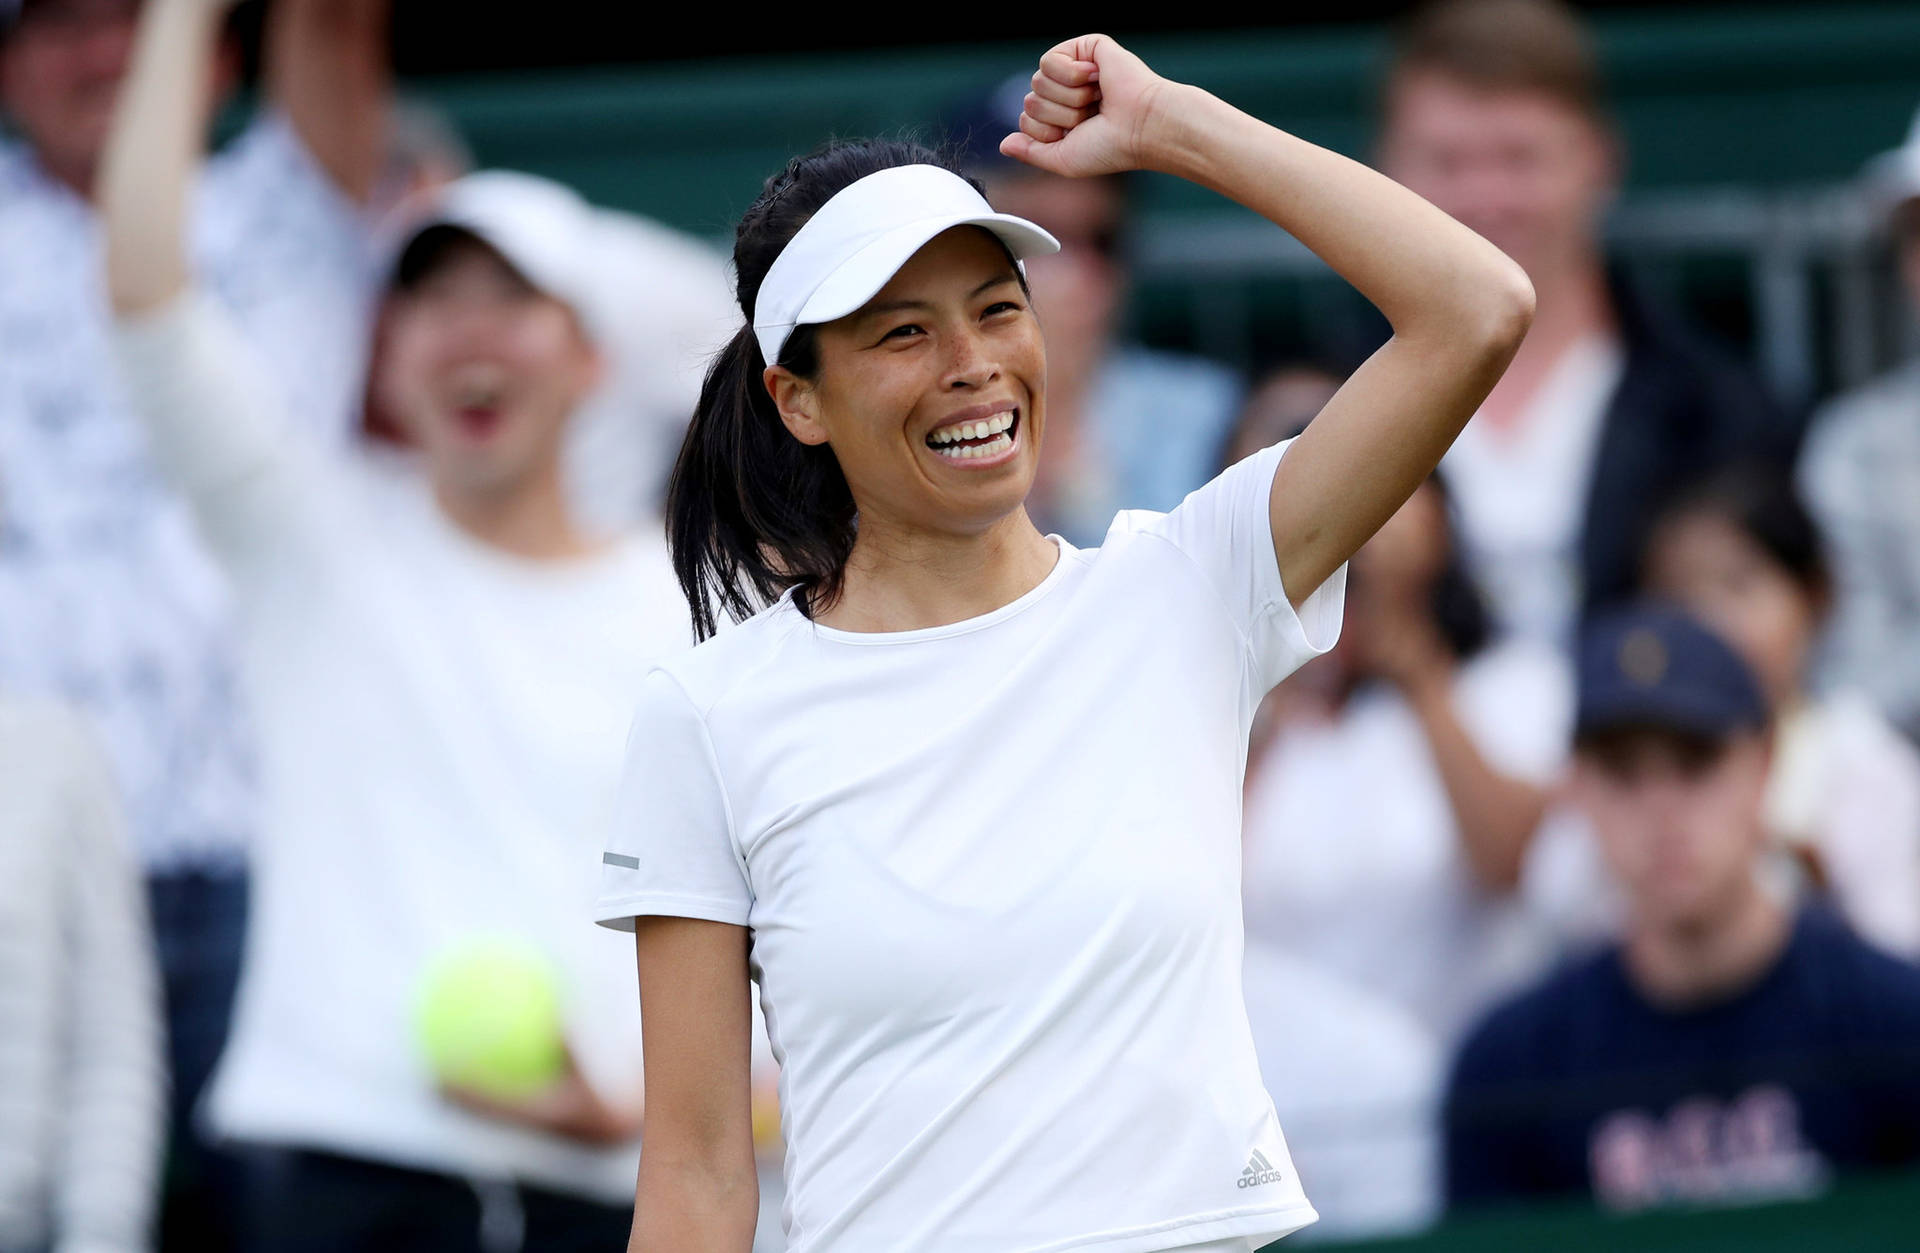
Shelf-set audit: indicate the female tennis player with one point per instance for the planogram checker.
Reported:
(964, 800)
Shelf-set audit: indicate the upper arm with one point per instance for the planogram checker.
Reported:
(1376, 441)
(697, 1029)
(698, 1187)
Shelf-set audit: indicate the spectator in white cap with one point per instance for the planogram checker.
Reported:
(1860, 473)
(669, 303)
(111, 604)
(441, 664)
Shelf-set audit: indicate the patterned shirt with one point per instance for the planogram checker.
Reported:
(106, 597)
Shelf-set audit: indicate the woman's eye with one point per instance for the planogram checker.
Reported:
(902, 332)
(1002, 306)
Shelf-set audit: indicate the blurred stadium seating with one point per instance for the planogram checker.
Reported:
(1743, 126)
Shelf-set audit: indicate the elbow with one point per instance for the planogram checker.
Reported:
(1503, 311)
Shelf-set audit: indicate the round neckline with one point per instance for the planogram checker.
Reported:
(964, 626)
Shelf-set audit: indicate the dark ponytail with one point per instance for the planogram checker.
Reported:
(751, 511)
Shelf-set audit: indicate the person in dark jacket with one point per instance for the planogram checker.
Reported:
(1494, 111)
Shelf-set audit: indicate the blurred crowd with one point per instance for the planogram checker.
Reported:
(331, 470)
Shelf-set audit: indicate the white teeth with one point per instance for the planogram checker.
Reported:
(967, 452)
(995, 425)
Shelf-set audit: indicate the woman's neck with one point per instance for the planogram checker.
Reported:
(530, 520)
(906, 579)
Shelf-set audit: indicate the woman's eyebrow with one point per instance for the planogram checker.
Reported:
(896, 306)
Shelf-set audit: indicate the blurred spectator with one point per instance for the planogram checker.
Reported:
(1387, 817)
(1843, 795)
(441, 663)
(1728, 1048)
(1494, 112)
(1861, 474)
(1128, 427)
(108, 599)
(669, 305)
(1355, 1082)
(84, 1107)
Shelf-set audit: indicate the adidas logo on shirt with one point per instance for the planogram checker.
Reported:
(1259, 1171)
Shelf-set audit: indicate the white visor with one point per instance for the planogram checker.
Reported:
(858, 240)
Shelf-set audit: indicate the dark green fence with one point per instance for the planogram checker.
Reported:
(1760, 98)
(1869, 1215)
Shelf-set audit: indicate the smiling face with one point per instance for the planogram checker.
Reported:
(483, 369)
(932, 394)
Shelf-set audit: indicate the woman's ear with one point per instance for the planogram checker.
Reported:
(795, 398)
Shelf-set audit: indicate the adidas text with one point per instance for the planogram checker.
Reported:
(1259, 1171)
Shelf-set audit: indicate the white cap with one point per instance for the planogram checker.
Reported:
(544, 230)
(1893, 178)
(860, 238)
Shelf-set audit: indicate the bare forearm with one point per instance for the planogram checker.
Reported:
(690, 1205)
(328, 68)
(1458, 306)
(1427, 273)
(1495, 813)
(158, 134)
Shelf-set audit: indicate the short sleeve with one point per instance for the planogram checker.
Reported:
(671, 850)
(1225, 528)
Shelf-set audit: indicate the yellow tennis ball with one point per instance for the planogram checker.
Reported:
(488, 1018)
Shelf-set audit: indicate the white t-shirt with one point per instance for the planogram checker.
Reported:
(1521, 493)
(1353, 856)
(991, 871)
(1357, 1082)
(439, 729)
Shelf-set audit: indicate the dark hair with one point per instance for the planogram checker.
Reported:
(1459, 609)
(1760, 500)
(752, 511)
(430, 250)
(1505, 45)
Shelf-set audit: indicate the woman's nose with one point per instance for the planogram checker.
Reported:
(970, 363)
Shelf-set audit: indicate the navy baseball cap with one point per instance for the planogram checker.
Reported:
(1651, 665)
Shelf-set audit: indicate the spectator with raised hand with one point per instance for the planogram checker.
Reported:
(441, 662)
(111, 604)
(1494, 111)
(1861, 476)
(83, 1118)
(1728, 1047)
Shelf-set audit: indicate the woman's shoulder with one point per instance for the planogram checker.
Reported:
(734, 657)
